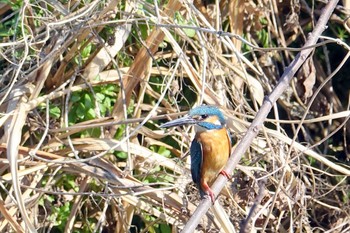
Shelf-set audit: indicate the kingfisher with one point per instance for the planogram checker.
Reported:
(210, 148)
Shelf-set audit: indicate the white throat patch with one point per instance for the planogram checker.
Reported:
(199, 129)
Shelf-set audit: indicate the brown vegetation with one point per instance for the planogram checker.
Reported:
(84, 87)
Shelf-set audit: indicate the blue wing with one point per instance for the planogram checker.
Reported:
(196, 161)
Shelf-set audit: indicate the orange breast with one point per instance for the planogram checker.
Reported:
(216, 148)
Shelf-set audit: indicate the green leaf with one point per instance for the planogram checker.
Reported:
(151, 229)
(103, 108)
(164, 228)
(73, 185)
(90, 114)
(86, 51)
(75, 97)
(50, 198)
(110, 91)
(100, 97)
(181, 21)
(165, 152)
(121, 155)
(107, 102)
(166, 178)
(80, 112)
(88, 101)
(55, 112)
(120, 132)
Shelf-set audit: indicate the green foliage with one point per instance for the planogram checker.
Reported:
(312, 161)
(152, 1)
(68, 182)
(342, 33)
(263, 34)
(263, 37)
(138, 33)
(60, 215)
(180, 20)
(85, 53)
(48, 198)
(54, 111)
(157, 227)
(124, 59)
(156, 83)
(121, 155)
(13, 25)
(245, 47)
(158, 173)
(120, 132)
(164, 228)
(263, 21)
(60, 211)
(87, 227)
(84, 106)
(346, 197)
(15, 5)
(7, 28)
(161, 150)
(188, 96)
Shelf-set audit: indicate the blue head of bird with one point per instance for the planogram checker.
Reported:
(203, 117)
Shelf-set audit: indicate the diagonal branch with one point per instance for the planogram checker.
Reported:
(262, 114)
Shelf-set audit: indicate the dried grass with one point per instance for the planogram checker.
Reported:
(292, 179)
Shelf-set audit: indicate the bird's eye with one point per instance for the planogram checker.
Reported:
(205, 116)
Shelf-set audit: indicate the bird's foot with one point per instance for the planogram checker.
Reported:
(208, 191)
(224, 173)
(211, 195)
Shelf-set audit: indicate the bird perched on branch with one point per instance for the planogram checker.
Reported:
(210, 148)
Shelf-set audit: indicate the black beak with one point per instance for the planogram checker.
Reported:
(186, 120)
